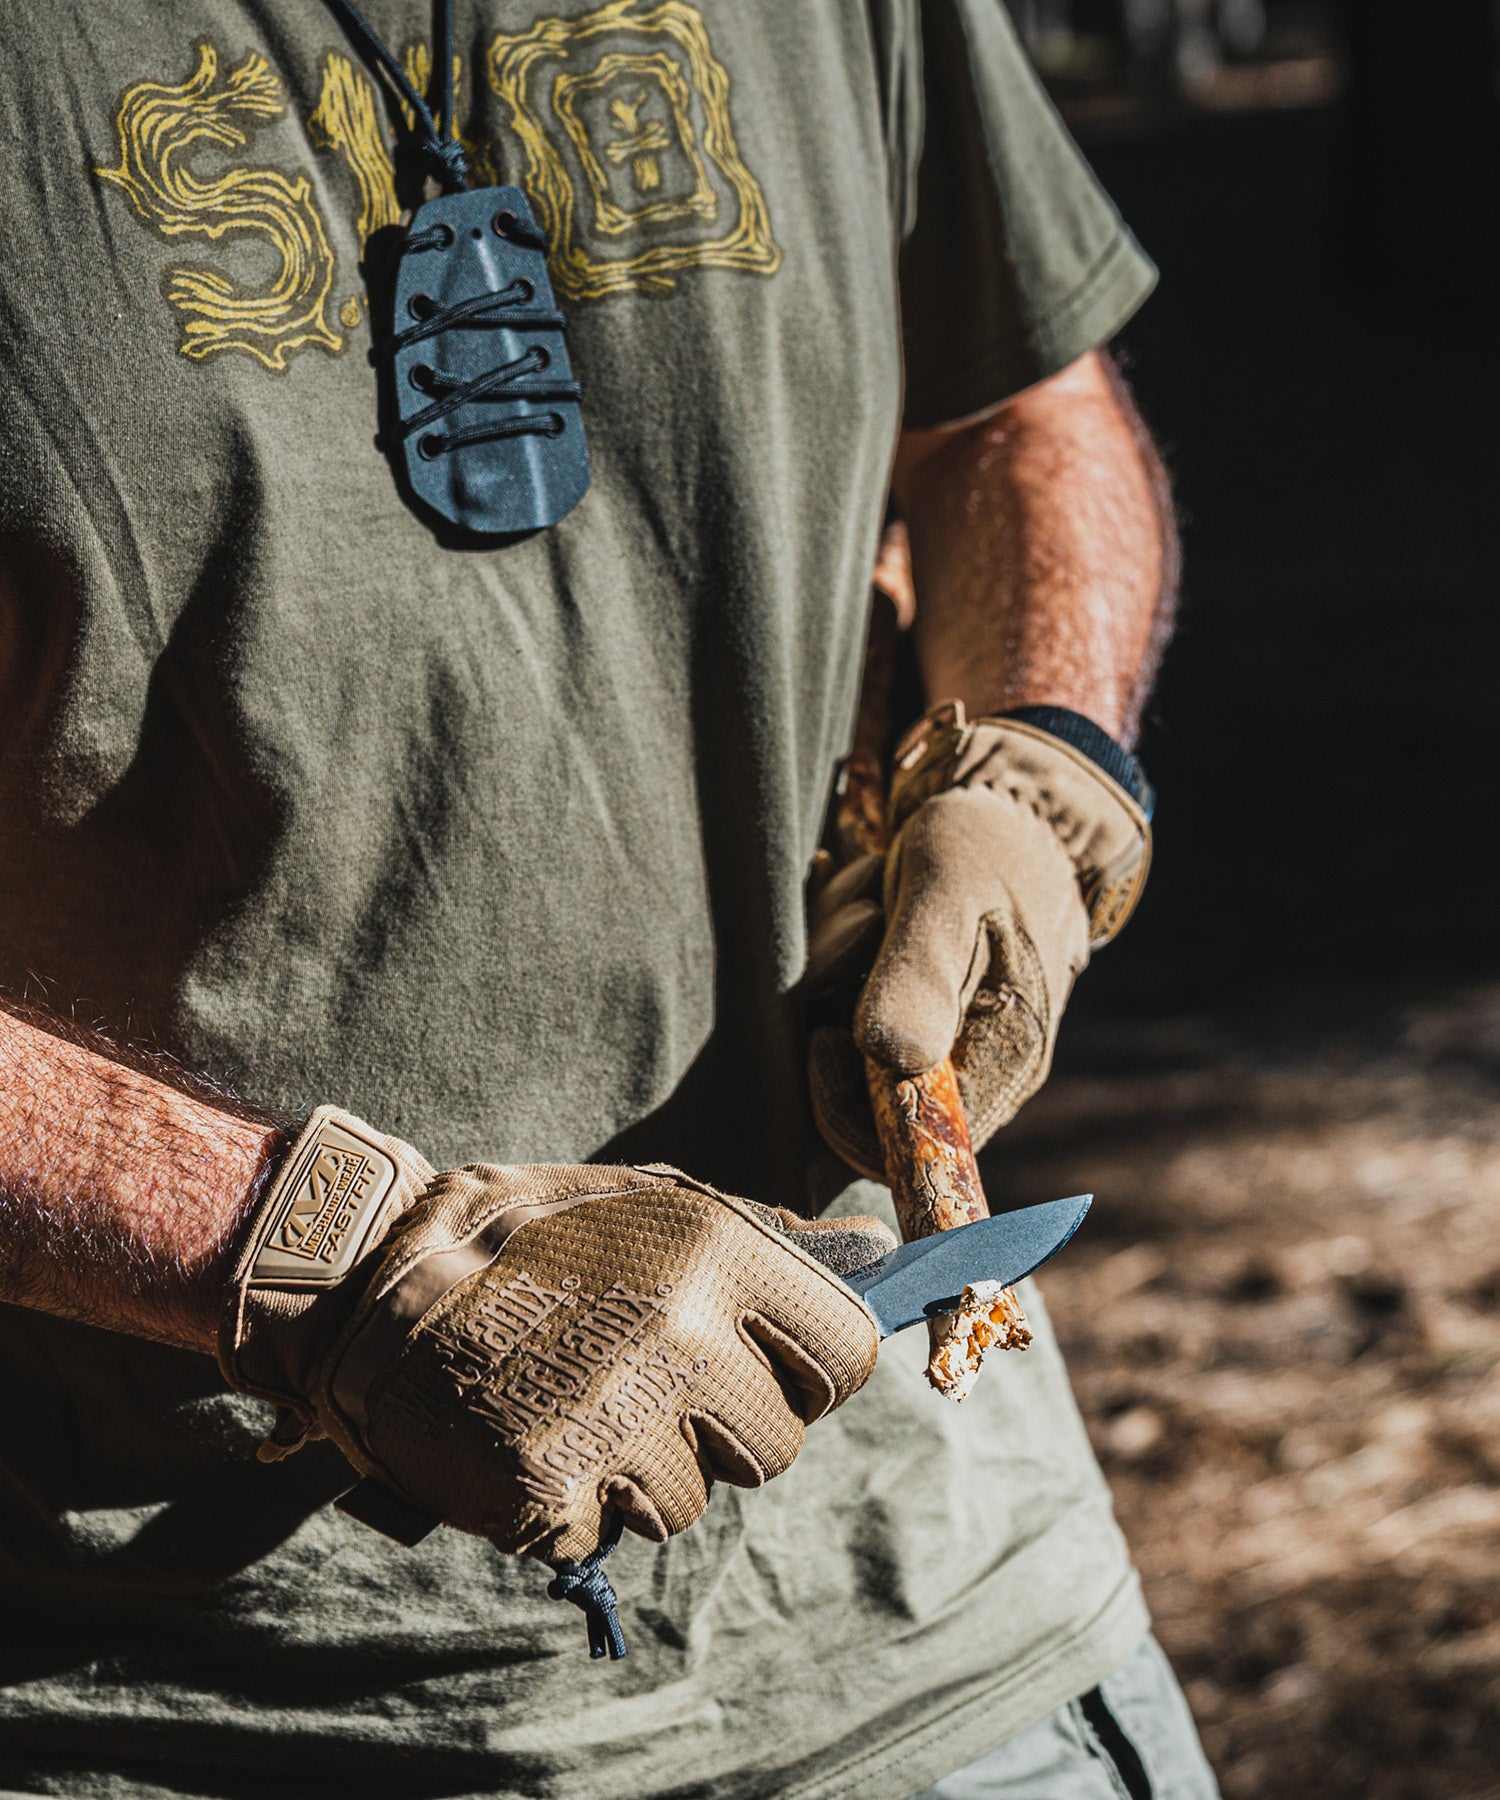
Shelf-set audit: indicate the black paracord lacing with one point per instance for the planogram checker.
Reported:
(585, 1584)
(502, 383)
(471, 312)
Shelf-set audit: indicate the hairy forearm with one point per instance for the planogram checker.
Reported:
(1043, 551)
(120, 1195)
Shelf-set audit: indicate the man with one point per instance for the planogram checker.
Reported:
(445, 855)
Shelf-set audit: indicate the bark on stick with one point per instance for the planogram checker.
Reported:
(929, 1156)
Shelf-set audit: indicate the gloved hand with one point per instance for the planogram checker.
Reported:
(1012, 855)
(517, 1350)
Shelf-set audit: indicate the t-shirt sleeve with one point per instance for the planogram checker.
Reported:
(1017, 263)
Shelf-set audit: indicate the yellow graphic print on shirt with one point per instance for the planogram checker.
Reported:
(161, 129)
(347, 121)
(647, 144)
(631, 159)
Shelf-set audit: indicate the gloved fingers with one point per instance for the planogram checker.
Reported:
(845, 885)
(843, 1245)
(759, 1442)
(840, 1097)
(578, 1535)
(845, 924)
(841, 950)
(673, 1496)
(559, 1372)
(940, 883)
(824, 868)
(817, 1335)
(811, 1385)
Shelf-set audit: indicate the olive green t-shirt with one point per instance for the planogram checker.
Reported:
(503, 849)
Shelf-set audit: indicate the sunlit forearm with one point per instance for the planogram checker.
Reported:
(119, 1194)
(1043, 551)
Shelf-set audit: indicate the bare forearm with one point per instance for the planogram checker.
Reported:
(1043, 552)
(119, 1195)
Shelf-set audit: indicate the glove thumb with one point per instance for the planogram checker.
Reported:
(935, 898)
(842, 1245)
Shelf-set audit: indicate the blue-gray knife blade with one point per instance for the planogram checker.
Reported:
(926, 1278)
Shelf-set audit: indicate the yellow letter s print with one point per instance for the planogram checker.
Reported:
(160, 128)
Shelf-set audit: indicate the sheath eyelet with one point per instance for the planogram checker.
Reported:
(429, 446)
(420, 378)
(504, 222)
(421, 306)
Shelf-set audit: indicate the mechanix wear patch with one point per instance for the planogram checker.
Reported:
(322, 1209)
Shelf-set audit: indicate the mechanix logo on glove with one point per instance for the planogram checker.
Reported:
(334, 1197)
(481, 1363)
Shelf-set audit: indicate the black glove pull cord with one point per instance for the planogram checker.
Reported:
(468, 282)
(587, 1586)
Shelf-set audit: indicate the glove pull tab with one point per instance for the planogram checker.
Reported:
(585, 1584)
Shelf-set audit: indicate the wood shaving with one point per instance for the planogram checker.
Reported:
(989, 1317)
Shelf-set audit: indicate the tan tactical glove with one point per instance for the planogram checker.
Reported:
(523, 1351)
(1012, 855)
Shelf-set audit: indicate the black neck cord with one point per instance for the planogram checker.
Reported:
(436, 142)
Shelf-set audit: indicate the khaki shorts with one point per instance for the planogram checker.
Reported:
(1131, 1738)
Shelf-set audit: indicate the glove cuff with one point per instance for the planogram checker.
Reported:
(1096, 744)
(1103, 829)
(311, 1243)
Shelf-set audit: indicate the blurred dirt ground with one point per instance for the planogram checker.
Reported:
(1283, 1322)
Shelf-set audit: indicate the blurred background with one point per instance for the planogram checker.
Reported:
(1284, 1317)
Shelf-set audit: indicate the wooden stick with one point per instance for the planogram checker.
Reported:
(929, 1157)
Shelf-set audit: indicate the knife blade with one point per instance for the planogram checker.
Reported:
(926, 1277)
